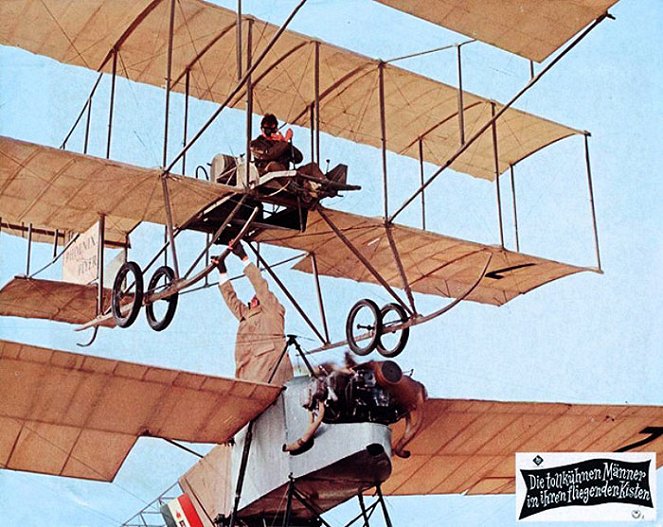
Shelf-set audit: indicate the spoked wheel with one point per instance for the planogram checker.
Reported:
(391, 344)
(363, 327)
(160, 313)
(127, 294)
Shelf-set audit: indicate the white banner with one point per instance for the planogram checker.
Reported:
(596, 486)
(80, 259)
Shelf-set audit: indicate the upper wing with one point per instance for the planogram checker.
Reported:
(74, 415)
(533, 30)
(433, 263)
(57, 189)
(468, 446)
(417, 108)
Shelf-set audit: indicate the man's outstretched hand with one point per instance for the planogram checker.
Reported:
(220, 263)
(238, 250)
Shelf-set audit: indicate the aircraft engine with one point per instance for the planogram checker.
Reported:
(374, 392)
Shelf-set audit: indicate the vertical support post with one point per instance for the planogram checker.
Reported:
(312, 121)
(515, 210)
(248, 439)
(249, 95)
(111, 106)
(187, 87)
(88, 118)
(531, 69)
(169, 65)
(317, 101)
(362, 506)
(421, 182)
(169, 224)
(101, 240)
(383, 137)
(27, 266)
(497, 173)
(321, 305)
(288, 507)
(55, 242)
(591, 201)
(238, 45)
(387, 520)
(461, 115)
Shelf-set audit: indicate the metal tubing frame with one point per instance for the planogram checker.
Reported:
(312, 128)
(384, 505)
(216, 235)
(169, 223)
(591, 201)
(238, 87)
(508, 105)
(80, 115)
(461, 116)
(304, 501)
(169, 67)
(88, 118)
(27, 264)
(415, 321)
(421, 182)
(497, 172)
(316, 99)
(238, 45)
(100, 263)
(185, 125)
(515, 209)
(383, 140)
(362, 259)
(287, 293)
(248, 439)
(288, 506)
(111, 106)
(429, 51)
(318, 289)
(362, 506)
(249, 93)
(56, 235)
(399, 266)
(56, 256)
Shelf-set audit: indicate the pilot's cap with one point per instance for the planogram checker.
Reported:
(269, 121)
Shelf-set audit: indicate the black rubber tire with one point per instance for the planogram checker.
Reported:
(390, 353)
(128, 271)
(357, 346)
(155, 324)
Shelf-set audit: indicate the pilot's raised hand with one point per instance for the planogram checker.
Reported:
(288, 134)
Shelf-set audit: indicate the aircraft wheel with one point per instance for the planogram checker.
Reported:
(363, 327)
(391, 344)
(158, 318)
(125, 311)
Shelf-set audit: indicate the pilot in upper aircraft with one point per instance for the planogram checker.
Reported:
(260, 337)
(272, 150)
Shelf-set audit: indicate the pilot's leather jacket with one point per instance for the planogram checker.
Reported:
(265, 150)
(260, 335)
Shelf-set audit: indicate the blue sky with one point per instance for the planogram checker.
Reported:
(588, 338)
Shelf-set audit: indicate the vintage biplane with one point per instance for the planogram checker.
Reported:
(211, 53)
(59, 409)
